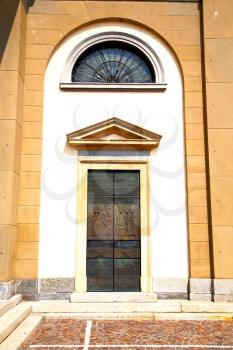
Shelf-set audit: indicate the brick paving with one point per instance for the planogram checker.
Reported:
(63, 334)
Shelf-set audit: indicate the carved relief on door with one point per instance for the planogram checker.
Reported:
(113, 231)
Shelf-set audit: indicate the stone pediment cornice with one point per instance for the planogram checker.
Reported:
(113, 133)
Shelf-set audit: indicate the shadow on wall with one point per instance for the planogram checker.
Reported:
(30, 3)
(8, 11)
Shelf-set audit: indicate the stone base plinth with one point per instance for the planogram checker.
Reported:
(171, 288)
(28, 288)
(55, 288)
(223, 297)
(223, 289)
(200, 289)
(200, 296)
(7, 290)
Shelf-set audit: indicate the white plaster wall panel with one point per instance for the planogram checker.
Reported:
(66, 111)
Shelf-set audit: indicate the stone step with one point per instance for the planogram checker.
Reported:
(161, 306)
(6, 305)
(137, 316)
(207, 306)
(21, 333)
(12, 318)
(143, 316)
(51, 307)
(113, 297)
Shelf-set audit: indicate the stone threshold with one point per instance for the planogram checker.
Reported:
(113, 297)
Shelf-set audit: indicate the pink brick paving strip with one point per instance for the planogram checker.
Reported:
(133, 346)
(113, 335)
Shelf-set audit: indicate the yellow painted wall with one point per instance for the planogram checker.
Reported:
(48, 22)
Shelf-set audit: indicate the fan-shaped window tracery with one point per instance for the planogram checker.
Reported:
(113, 63)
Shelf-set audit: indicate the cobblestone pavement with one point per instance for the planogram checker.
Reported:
(63, 334)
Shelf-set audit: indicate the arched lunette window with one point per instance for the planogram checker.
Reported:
(113, 61)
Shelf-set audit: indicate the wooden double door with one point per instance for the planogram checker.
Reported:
(113, 231)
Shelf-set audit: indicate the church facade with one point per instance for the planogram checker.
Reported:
(116, 148)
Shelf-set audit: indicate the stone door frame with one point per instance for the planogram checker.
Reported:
(84, 165)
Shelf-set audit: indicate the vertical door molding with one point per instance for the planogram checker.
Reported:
(81, 239)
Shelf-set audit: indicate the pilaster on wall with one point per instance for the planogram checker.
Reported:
(12, 50)
(218, 45)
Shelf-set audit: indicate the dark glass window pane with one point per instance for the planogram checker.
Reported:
(127, 267)
(100, 183)
(100, 174)
(100, 191)
(126, 183)
(113, 62)
(126, 178)
(99, 249)
(126, 284)
(100, 284)
(127, 249)
(126, 191)
(100, 267)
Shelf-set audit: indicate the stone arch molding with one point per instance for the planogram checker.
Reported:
(148, 52)
(157, 111)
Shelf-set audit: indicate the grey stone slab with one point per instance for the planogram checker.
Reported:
(31, 297)
(223, 286)
(171, 296)
(200, 285)
(56, 285)
(206, 306)
(170, 285)
(7, 290)
(114, 153)
(200, 296)
(223, 297)
(54, 296)
(27, 286)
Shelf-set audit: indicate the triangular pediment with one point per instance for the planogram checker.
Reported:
(113, 132)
